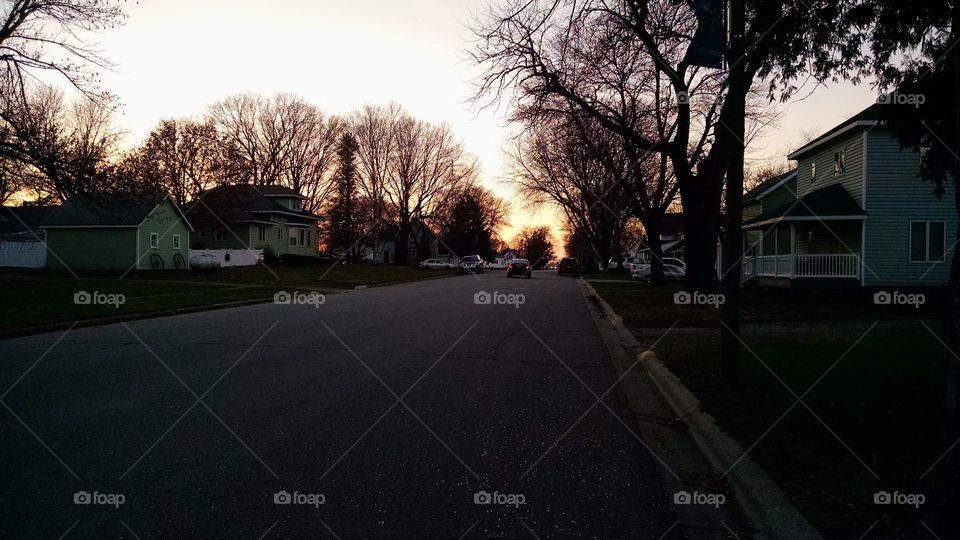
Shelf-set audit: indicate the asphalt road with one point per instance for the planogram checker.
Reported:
(393, 407)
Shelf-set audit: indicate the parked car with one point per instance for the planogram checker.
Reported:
(471, 263)
(623, 263)
(646, 260)
(519, 267)
(671, 271)
(568, 265)
(434, 264)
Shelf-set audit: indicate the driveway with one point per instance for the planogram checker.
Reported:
(403, 411)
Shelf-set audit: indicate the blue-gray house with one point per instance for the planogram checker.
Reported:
(853, 213)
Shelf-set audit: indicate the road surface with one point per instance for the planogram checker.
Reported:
(409, 411)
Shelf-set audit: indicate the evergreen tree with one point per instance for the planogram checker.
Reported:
(344, 217)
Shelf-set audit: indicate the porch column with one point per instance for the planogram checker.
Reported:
(793, 251)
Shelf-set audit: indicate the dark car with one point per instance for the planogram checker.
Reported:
(471, 263)
(568, 265)
(519, 267)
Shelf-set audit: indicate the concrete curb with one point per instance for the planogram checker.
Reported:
(760, 498)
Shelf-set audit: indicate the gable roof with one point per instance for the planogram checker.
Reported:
(870, 116)
(278, 191)
(766, 187)
(244, 203)
(831, 202)
(112, 211)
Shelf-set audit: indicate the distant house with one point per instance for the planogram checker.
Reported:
(422, 243)
(671, 239)
(22, 240)
(501, 260)
(22, 223)
(854, 213)
(772, 193)
(119, 233)
(254, 217)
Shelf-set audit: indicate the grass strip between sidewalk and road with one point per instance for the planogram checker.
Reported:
(871, 379)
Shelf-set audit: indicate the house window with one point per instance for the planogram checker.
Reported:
(296, 204)
(279, 233)
(222, 235)
(813, 171)
(203, 233)
(263, 234)
(154, 240)
(839, 162)
(176, 241)
(927, 241)
(292, 235)
(303, 237)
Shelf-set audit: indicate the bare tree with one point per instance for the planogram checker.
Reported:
(47, 36)
(183, 156)
(281, 140)
(410, 171)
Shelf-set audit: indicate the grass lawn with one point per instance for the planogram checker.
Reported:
(40, 297)
(870, 377)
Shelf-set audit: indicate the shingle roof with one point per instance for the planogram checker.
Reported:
(760, 188)
(113, 211)
(829, 202)
(278, 191)
(242, 203)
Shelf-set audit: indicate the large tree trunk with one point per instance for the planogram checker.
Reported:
(700, 230)
(733, 234)
(651, 223)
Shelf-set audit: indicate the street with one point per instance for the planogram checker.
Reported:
(390, 412)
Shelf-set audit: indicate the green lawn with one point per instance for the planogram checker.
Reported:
(875, 395)
(40, 297)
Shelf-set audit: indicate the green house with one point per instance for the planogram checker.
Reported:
(271, 218)
(118, 233)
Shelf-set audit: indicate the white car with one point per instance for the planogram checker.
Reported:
(673, 269)
(435, 264)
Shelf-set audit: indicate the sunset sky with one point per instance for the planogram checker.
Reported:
(175, 57)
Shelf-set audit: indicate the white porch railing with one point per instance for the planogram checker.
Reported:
(839, 265)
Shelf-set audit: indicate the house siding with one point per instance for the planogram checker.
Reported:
(852, 177)
(166, 221)
(92, 248)
(895, 197)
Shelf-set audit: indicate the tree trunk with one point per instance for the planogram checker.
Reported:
(651, 223)
(733, 234)
(700, 236)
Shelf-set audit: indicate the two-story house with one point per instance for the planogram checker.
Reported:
(860, 215)
(254, 217)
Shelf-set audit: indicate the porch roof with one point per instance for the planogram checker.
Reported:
(830, 203)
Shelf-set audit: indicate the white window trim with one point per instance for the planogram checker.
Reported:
(154, 240)
(927, 223)
(176, 241)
